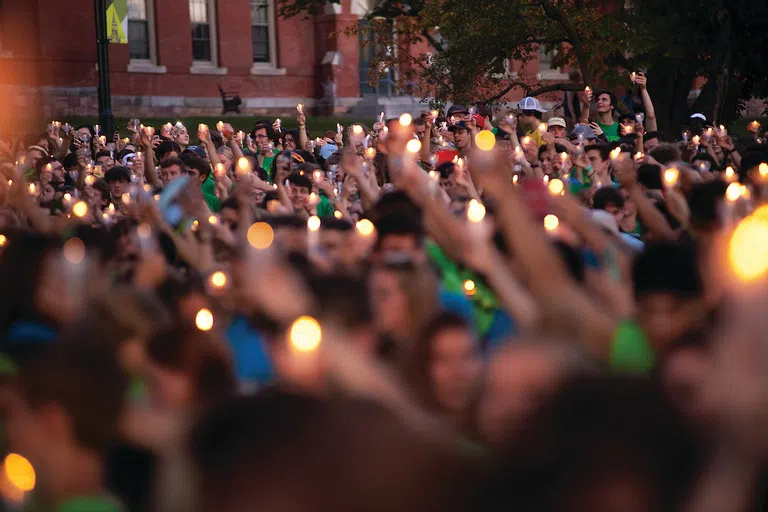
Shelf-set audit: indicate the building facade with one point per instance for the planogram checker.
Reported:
(179, 53)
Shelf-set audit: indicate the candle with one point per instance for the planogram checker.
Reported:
(671, 176)
(639, 156)
(213, 220)
(587, 89)
(220, 126)
(518, 153)
(475, 211)
(754, 126)
(313, 199)
(406, 119)
(339, 129)
(434, 113)
(260, 235)
(469, 287)
(723, 131)
(218, 279)
(305, 334)
(357, 129)
(526, 140)
(563, 157)
(313, 235)
(551, 222)
(300, 108)
(434, 175)
(202, 127)
(543, 128)
(32, 188)
(90, 180)
(204, 319)
(147, 187)
(730, 174)
(615, 153)
(365, 227)
(485, 140)
(762, 169)
(381, 117)
(279, 124)
(220, 170)
(515, 179)
(633, 76)
(338, 214)
(556, 187)
(413, 146)
(243, 166)
(3, 240)
(370, 153)
(80, 209)
(696, 141)
(747, 248)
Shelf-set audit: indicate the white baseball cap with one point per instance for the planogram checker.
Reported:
(529, 103)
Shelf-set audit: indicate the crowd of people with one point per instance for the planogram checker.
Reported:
(470, 309)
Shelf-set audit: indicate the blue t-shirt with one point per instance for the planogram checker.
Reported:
(252, 362)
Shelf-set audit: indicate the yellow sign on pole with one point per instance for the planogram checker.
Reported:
(117, 21)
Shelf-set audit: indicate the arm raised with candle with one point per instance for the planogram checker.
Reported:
(145, 140)
(653, 219)
(557, 292)
(650, 113)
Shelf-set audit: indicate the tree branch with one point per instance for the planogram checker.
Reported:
(504, 91)
(432, 41)
(575, 39)
(557, 87)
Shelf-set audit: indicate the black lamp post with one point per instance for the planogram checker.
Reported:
(106, 119)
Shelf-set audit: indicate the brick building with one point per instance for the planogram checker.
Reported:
(179, 52)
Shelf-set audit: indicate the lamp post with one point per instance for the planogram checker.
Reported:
(106, 119)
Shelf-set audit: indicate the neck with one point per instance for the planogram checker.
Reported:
(82, 476)
(605, 117)
(535, 124)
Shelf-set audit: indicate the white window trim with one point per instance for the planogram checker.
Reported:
(210, 67)
(269, 68)
(550, 73)
(148, 65)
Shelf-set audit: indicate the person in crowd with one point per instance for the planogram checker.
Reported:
(504, 314)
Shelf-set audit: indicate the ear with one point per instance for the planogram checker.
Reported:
(203, 177)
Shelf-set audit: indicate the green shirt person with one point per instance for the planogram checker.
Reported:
(198, 170)
(606, 106)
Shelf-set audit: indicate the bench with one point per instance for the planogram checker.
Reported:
(230, 101)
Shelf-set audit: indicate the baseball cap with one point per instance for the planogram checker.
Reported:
(556, 121)
(457, 109)
(479, 121)
(586, 131)
(461, 125)
(529, 103)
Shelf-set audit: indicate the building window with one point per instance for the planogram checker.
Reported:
(545, 59)
(260, 41)
(200, 14)
(138, 30)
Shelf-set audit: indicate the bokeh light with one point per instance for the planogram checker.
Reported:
(305, 334)
(260, 235)
(204, 319)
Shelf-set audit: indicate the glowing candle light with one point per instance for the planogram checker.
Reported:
(762, 169)
(338, 214)
(639, 156)
(305, 334)
(475, 211)
(300, 108)
(469, 287)
(339, 129)
(748, 248)
(32, 188)
(526, 140)
(671, 176)
(587, 89)
(556, 187)
(80, 209)
(733, 192)
(615, 153)
(19, 472)
(434, 175)
(126, 197)
(485, 140)
(365, 227)
(730, 174)
(370, 153)
(381, 117)
(406, 119)
(3, 240)
(213, 220)
(220, 126)
(413, 146)
(74, 251)
(243, 166)
(435, 113)
(543, 128)
(551, 222)
(563, 157)
(260, 235)
(204, 319)
(218, 279)
(357, 129)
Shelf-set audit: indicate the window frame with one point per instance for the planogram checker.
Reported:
(270, 67)
(148, 65)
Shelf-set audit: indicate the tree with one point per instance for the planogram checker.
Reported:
(471, 42)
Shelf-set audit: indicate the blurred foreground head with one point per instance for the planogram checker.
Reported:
(290, 452)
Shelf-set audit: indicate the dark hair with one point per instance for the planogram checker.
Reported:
(624, 117)
(572, 258)
(614, 101)
(45, 160)
(331, 223)
(170, 162)
(551, 464)
(604, 149)
(649, 176)
(70, 161)
(118, 173)
(446, 169)
(101, 185)
(666, 153)
(200, 357)
(87, 127)
(231, 202)
(267, 125)
(704, 200)
(419, 121)
(342, 299)
(534, 113)
(165, 147)
(655, 135)
(84, 380)
(199, 165)
(103, 152)
(666, 267)
(300, 180)
(21, 266)
(559, 148)
(706, 157)
(606, 196)
(399, 223)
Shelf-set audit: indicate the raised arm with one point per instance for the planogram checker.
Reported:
(650, 114)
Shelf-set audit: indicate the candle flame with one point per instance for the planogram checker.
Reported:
(551, 222)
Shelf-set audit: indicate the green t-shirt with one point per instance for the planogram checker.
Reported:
(213, 202)
(324, 207)
(631, 352)
(90, 504)
(209, 186)
(267, 165)
(611, 131)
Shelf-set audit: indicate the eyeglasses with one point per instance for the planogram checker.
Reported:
(261, 136)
